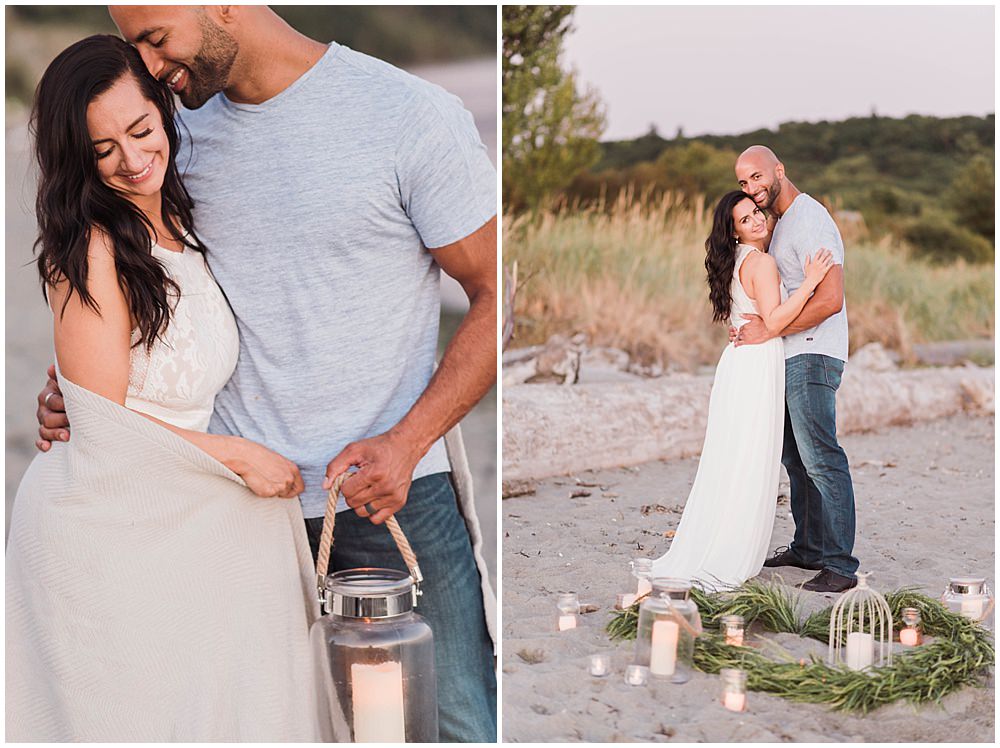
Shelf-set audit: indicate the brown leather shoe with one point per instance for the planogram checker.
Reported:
(829, 581)
(785, 557)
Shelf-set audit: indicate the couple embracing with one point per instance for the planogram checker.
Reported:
(245, 297)
(775, 271)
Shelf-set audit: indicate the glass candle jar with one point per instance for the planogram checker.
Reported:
(678, 589)
(734, 689)
(375, 661)
(568, 608)
(642, 570)
(665, 638)
(636, 675)
(600, 665)
(910, 635)
(970, 597)
(731, 628)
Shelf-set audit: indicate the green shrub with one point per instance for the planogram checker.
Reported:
(939, 240)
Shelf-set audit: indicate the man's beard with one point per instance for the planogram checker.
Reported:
(208, 73)
(772, 192)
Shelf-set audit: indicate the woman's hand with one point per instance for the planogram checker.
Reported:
(817, 267)
(266, 473)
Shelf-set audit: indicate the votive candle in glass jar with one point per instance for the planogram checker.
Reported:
(731, 627)
(970, 597)
(568, 606)
(910, 635)
(600, 665)
(734, 689)
(642, 570)
(636, 675)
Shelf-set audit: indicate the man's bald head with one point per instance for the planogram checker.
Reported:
(760, 174)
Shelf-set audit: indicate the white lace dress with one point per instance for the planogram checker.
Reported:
(726, 527)
(150, 596)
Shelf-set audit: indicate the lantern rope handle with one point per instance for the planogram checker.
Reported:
(326, 539)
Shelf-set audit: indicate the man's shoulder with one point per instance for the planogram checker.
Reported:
(376, 77)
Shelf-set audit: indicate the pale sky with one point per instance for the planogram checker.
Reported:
(730, 69)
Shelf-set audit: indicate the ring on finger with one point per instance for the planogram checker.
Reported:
(46, 401)
(369, 508)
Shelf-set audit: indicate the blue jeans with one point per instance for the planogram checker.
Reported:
(822, 493)
(451, 601)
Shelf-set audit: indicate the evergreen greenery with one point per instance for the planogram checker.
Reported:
(960, 654)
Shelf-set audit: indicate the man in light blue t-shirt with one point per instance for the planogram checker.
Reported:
(331, 189)
(815, 353)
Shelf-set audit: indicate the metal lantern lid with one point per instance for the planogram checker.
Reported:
(967, 585)
(369, 593)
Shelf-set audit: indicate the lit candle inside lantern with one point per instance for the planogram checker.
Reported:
(663, 651)
(860, 650)
(377, 698)
(567, 622)
(908, 637)
(972, 607)
(734, 702)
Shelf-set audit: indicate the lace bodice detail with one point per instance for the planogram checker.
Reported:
(177, 380)
(741, 301)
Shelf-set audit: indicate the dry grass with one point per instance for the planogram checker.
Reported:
(633, 277)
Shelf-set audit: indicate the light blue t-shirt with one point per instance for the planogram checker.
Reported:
(317, 208)
(804, 229)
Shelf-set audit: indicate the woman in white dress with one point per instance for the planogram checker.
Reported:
(152, 594)
(723, 535)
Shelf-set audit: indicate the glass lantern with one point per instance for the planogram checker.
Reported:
(665, 638)
(678, 589)
(910, 635)
(375, 661)
(734, 689)
(970, 597)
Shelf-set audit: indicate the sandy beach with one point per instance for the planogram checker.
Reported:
(925, 504)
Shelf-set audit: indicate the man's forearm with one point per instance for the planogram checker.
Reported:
(467, 370)
(813, 313)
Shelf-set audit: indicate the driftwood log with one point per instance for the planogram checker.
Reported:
(551, 429)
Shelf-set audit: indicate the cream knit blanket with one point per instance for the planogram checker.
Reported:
(150, 596)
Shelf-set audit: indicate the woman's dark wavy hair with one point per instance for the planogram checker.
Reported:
(72, 200)
(720, 254)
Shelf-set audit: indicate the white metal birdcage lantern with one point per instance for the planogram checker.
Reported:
(861, 628)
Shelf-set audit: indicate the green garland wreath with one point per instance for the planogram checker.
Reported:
(961, 654)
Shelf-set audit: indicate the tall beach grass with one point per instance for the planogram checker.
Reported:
(631, 275)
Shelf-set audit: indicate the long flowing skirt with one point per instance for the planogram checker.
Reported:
(150, 596)
(723, 535)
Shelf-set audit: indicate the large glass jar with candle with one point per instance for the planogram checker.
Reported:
(678, 589)
(970, 597)
(375, 661)
(665, 638)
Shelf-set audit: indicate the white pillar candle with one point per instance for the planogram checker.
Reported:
(663, 652)
(645, 587)
(377, 699)
(908, 637)
(972, 607)
(734, 702)
(567, 622)
(860, 650)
